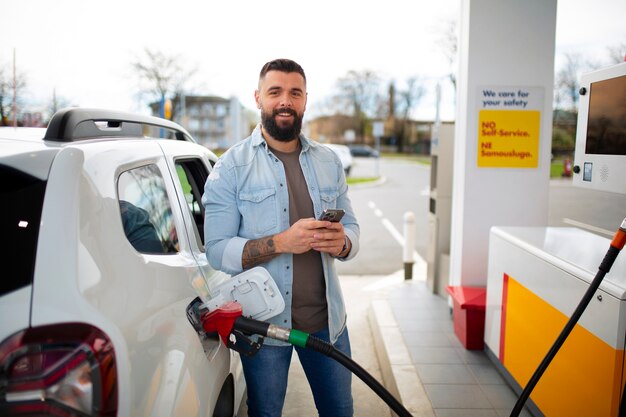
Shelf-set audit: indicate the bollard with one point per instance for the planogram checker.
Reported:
(409, 244)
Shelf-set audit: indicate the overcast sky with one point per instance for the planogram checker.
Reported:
(84, 48)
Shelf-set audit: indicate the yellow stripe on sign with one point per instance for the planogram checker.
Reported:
(585, 377)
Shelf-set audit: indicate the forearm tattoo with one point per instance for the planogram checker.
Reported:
(257, 251)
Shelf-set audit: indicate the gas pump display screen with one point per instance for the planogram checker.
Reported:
(606, 127)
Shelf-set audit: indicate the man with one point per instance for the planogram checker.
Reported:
(262, 200)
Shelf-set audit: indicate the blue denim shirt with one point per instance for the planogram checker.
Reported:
(245, 197)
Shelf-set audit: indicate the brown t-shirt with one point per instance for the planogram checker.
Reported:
(309, 311)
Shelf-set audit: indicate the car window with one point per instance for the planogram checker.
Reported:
(20, 215)
(192, 174)
(146, 211)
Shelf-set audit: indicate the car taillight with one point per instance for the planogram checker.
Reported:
(58, 370)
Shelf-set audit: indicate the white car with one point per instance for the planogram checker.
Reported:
(343, 152)
(103, 236)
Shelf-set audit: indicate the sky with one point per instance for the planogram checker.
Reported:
(83, 49)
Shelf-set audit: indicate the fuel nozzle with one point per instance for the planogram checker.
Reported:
(222, 320)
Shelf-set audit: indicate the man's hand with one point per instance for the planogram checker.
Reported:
(331, 239)
(306, 234)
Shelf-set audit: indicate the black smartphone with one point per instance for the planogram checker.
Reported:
(332, 215)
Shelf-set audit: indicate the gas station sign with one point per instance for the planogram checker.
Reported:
(509, 123)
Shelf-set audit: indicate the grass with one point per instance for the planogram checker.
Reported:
(556, 169)
(556, 166)
(420, 159)
(361, 180)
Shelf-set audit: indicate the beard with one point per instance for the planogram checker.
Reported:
(282, 133)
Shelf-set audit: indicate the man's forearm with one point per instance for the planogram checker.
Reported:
(258, 251)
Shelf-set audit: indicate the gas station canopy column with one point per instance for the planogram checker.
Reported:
(503, 126)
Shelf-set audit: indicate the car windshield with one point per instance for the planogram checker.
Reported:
(20, 214)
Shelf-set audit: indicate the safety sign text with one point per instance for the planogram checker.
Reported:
(509, 122)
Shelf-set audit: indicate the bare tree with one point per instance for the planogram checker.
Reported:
(326, 106)
(448, 42)
(408, 100)
(10, 85)
(5, 98)
(617, 53)
(567, 80)
(410, 96)
(162, 76)
(358, 95)
(56, 103)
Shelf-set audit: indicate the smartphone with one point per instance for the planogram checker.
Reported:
(332, 215)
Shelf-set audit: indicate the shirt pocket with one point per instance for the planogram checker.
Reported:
(258, 211)
(329, 197)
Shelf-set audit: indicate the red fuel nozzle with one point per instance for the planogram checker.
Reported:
(222, 320)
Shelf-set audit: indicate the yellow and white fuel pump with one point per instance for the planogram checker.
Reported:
(537, 277)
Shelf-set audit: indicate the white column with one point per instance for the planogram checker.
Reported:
(503, 126)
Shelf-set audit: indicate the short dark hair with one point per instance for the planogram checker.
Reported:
(282, 65)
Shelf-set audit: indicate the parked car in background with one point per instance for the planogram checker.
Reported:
(103, 231)
(363, 150)
(344, 155)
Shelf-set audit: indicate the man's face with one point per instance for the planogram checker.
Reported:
(282, 99)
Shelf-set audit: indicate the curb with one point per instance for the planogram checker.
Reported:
(398, 372)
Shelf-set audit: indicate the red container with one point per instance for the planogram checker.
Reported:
(468, 315)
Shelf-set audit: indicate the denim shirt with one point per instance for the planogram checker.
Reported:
(246, 197)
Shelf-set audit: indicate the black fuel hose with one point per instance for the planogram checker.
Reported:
(302, 339)
(605, 266)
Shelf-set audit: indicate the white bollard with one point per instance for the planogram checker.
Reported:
(409, 244)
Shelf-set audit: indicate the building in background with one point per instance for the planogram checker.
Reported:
(215, 122)
(340, 129)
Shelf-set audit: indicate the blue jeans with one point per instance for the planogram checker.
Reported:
(266, 376)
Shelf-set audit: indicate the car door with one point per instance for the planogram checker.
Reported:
(196, 367)
(190, 166)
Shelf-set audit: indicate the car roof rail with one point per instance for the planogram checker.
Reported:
(76, 123)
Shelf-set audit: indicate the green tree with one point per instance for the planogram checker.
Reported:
(563, 141)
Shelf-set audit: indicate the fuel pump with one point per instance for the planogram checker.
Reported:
(617, 244)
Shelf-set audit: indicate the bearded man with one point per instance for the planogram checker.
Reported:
(262, 201)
